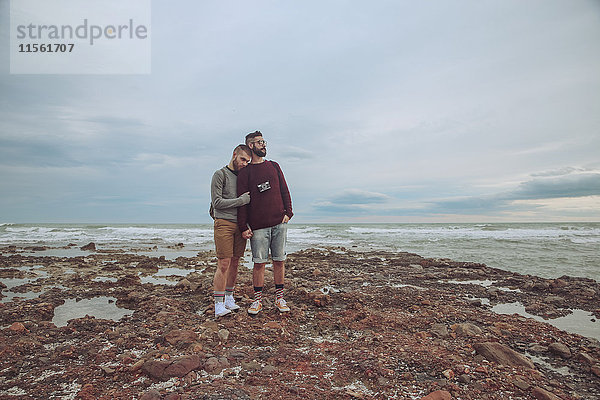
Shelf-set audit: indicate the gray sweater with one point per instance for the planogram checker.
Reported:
(223, 194)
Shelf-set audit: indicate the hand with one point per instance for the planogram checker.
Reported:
(247, 234)
(285, 219)
(245, 197)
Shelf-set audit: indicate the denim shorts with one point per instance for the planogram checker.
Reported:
(273, 238)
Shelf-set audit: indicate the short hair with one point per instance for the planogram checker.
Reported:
(244, 148)
(252, 135)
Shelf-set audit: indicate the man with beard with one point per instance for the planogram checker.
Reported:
(229, 243)
(264, 219)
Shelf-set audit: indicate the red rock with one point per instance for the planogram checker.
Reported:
(182, 366)
(421, 335)
(273, 325)
(438, 395)
(135, 367)
(18, 327)
(482, 369)
(151, 395)
(586, 358)
(560, 349)
(496, 352)
(542, 394)
(87, 392)
(448, 373)
(466, 329)
(155, 368)
(172, 396)
(319, 298)
(90, 247)
(596, 370)
(181, 336)
(212, 366)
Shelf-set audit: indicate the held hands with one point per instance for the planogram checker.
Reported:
(285, 219)
(245, 197)
(247, 234)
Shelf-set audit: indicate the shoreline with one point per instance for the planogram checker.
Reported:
(364, 325)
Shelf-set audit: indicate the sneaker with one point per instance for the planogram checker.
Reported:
(282, 305)
(230, 303)
(221, 310)
(255, 307)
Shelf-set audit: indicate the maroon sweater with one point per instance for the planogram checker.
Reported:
(266, 208)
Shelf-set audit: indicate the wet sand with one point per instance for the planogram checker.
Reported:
(375, 325)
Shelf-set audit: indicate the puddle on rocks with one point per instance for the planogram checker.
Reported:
(98, 307)
(160, 278)
(485, 283)
(156, 281)
(579, 321)
(14, 282)
(485, 301)
(542, 361)
(173, 271)
(406, 285)
(104, 279)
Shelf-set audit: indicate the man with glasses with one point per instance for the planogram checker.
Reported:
(264, 219)
(229, 243)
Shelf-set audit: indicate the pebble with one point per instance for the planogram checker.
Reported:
(466, 329)
(223, 334)
(543, 394)
(560, 349)
(438, 395)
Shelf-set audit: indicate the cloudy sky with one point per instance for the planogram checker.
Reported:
(381, 111)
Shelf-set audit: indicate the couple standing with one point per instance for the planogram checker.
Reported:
(251, 200)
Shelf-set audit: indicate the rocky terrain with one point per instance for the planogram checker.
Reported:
(362, 326)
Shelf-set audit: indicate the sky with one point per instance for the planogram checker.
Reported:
(382, 111)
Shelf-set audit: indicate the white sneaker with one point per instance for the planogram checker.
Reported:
(282, 305)
(221, 310)
(255, 307)
(230, 303)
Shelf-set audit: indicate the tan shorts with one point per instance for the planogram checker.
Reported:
(228, 239)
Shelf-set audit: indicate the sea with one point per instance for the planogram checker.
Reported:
(549, 250)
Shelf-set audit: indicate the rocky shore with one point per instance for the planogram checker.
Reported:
(362, 325)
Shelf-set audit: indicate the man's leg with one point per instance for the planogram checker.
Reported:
(260, 252)
(219, 283)
(230, 284)
(278, 242)
(278, 272)
(258, 281)
(223, 234)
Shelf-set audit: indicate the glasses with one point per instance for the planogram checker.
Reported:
(261, 142)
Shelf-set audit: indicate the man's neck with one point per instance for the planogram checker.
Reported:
(257, 159)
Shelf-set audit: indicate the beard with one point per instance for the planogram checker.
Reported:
(260, 153)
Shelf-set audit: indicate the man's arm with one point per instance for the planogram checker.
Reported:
(216, 194)
(285, 193)
(242, 212)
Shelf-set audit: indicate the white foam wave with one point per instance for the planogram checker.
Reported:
(65, 235)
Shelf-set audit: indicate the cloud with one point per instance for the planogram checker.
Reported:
(293, 153)
(358, 196)
(155, 161)
(565, 183)
(536, 193)
(357, 201)
(569, 185)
